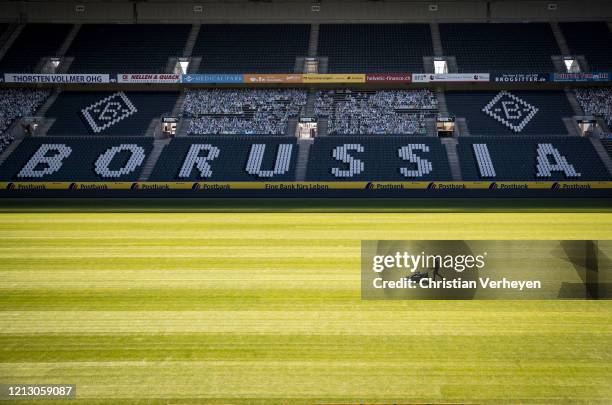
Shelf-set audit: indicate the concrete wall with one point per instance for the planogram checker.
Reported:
(98, 11)
(566, 10)
(300, 11)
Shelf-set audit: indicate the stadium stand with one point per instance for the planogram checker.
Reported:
(361, 158)
(516, 158)
(242, 111)
(228, 159)
(99, 135)
(511, 112)
(500, 48)
(376, 112)
(106, 113)
(373, 48)
(77, 159)
(14, 104)
(136, 48)
(250, 48)
(591, 39)
(596, 101)
(33, 43)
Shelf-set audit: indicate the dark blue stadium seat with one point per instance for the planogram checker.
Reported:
(377, 159)
(251, 48)
(516, 158)
(375, 48)
(79, 164)
(593, 40)
(142, 108)
(33, 43)
(134, 48)
(506, 47)
(539, 112)
(228, 159)
(607, 143)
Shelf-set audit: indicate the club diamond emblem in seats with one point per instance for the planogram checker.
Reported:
(108, 111)
(510, 110)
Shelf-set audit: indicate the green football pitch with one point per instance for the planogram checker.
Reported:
(264, 308)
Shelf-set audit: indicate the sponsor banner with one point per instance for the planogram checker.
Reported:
(65, 78)
(219, 78)
(148, 78)
(519, 77)
(580, 77)
(388, 78)
(277, 186)
(334, 78)
(34, 186)
(450, 77)
(97, 185)
(397, 185)
(272, 78)
(315, 186)
(160, 185)
(486, 269)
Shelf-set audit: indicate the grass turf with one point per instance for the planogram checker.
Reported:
(158, 308)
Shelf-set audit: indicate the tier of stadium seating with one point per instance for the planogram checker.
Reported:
(251, 48)
(351, 112)
(513, 112)
(257, 158)
(348, 112)
(374, 48)
(228, 159)
(136, 48)
(593, 40)
(501, 48)
(107, 113)
(359, 158)
(77, 159)
(35, 41)
(272, 48)
(516, 159)
(242, 111)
